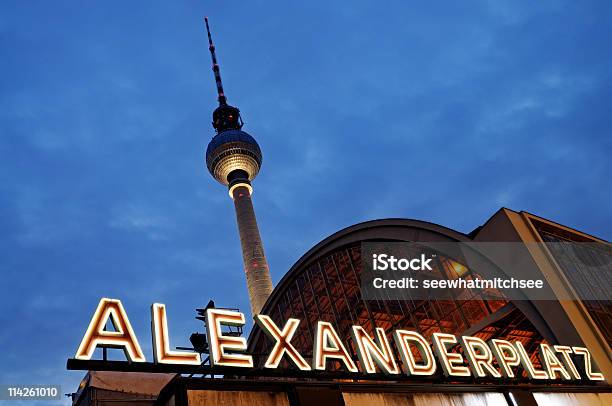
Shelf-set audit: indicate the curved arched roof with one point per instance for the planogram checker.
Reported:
(326, 276)
(391, 229)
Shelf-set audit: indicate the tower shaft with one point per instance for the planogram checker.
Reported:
(259, 282)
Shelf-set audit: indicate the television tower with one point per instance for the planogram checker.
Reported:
(233, 158)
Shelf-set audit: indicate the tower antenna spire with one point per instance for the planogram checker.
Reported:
(215, 67)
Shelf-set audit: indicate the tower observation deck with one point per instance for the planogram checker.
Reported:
(233, 158)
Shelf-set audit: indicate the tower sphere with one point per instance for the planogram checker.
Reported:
(230, 151)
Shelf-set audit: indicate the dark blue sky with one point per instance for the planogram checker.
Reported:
(440, 112)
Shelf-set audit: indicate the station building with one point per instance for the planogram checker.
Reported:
(324, 285)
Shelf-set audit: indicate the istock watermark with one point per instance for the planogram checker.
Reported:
(383, 262)
(490, 271)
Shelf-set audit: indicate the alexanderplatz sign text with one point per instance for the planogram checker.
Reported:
(375, 354)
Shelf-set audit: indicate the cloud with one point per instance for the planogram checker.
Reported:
(142, 219)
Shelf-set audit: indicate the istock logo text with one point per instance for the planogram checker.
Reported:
(383, 262)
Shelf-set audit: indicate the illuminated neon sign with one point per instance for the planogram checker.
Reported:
(477, 358)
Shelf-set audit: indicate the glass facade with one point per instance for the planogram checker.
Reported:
(589, 270)
(438, 399)
(328, 289)
(573, 399)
